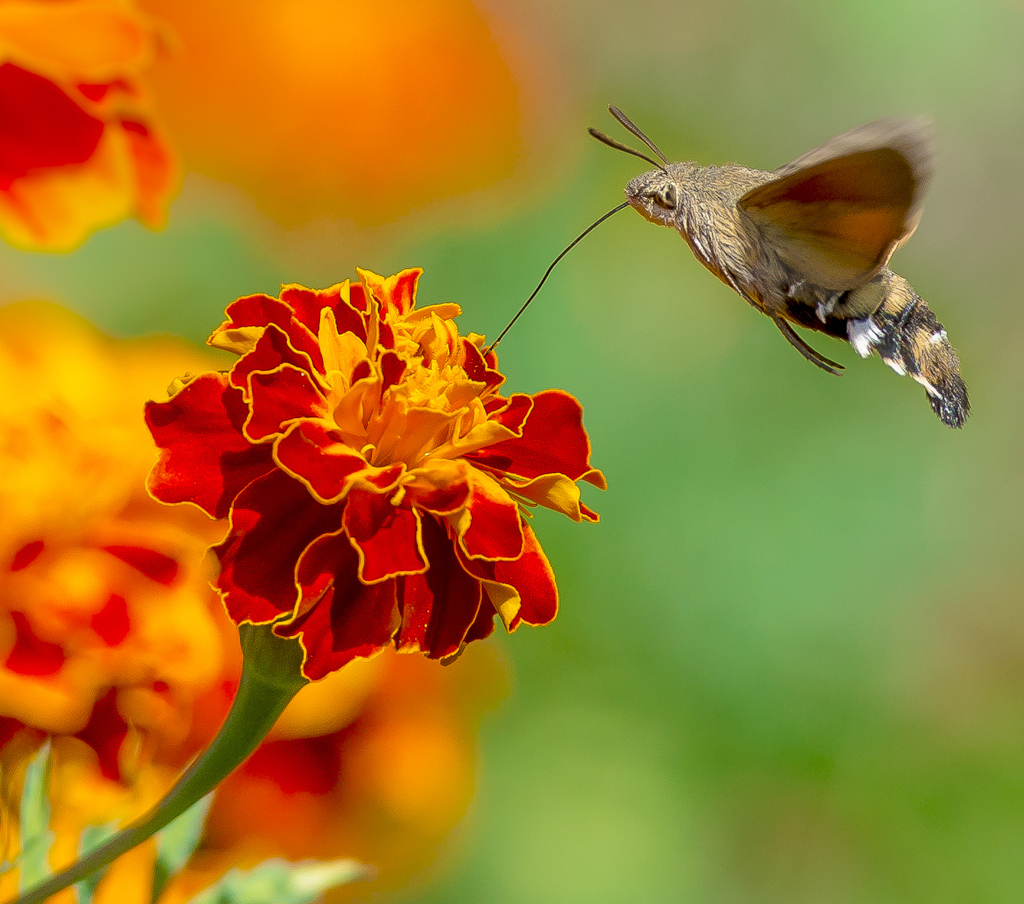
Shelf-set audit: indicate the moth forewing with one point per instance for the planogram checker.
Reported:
(836, 214)
(910, 137)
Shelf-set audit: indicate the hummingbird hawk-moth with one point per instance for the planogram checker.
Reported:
(808, 244)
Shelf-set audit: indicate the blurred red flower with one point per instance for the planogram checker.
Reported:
(374, 477)
(79, 148)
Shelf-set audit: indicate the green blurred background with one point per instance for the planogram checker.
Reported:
(789, 663)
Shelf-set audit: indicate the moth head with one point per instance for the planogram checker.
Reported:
(655, 195)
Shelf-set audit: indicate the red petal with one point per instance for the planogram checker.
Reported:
(95, 93)
(351, 315)
(154, 565)
(530, 577)
(40, 126)
(278, 397)
(307, 304)
(273, 521)
(30, 654)
(264, 311)
(553, 441)
(442, 492)
(272, 349)
(441, 605)
(257, 310)
(204, 458)
(27, 555)
(386, 536)
(510, 412)
(112, 623)
(477, 369)
(136, 128)
(348, 619)
(392, 368)
(396, 294)
(494, 529)
(319, 457)
(357, 299)
(105, 733)
(483, 627)
(386, 335)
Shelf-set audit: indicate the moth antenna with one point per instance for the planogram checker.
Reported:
(619, 146)
(490, 348)
(627, 124)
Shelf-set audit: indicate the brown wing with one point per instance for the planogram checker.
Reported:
(836, 214)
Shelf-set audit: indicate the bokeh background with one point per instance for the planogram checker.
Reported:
(789, 664)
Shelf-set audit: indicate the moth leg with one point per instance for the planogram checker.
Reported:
(826, 307)
(809, 353)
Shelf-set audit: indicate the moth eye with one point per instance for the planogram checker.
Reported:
(665, 197)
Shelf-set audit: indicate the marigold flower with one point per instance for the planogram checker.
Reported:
(79, 148)
(374, 478)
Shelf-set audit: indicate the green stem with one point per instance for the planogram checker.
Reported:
(271, 677)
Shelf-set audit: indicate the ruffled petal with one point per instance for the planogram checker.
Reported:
(273, 520)
(396, 294)
(317, 455)
(269, 350)
(386, 536)
(441, 605)
(306, 305)
(399, 476)
(342, 618)
(556, 492)
(79, 146)
(489, 526)
(440, 486)
(521, 591)
(248, 319)
(280, 397)
(204, 457)
(553, 441)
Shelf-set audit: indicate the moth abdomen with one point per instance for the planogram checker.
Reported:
(905, 333)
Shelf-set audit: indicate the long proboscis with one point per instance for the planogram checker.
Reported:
(490, 348)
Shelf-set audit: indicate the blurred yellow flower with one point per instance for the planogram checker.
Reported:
(104, 617)
(79, 148)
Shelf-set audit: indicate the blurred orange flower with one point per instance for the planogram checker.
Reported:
(343, 108)
(375, 479)
(79, 148)
(112, 641)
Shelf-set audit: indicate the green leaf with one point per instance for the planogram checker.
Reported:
(36, 836)
(92, 837)
(282, 882)
(176, 843)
